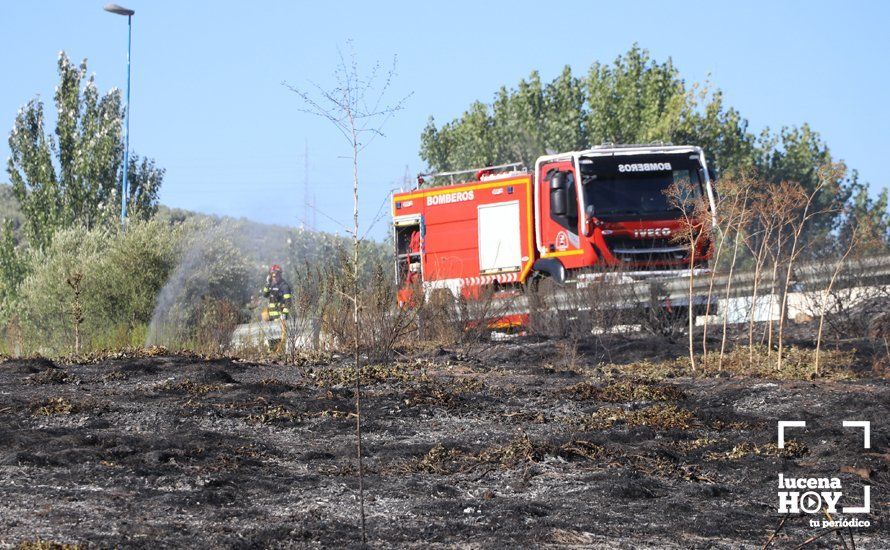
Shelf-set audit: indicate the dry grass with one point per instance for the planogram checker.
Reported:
(659, 417)
(732, 425)
(276, 414)
(797, 364)
(99, 356)
(114, 376)
(439, 460)
(792, 449)
(698, 443)
(522, 451)
(63, 406)
(43, 544)
(512, 454)
(336, 413)
(371, 374)
(441, 392)
(53, 406)
(667, 468)
(187, 386)
(572, 538)
(625, 391)
(52, 376)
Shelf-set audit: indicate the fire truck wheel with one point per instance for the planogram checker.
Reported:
(542, 284)
(540, 290)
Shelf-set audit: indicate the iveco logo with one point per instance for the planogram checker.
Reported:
(652, 232)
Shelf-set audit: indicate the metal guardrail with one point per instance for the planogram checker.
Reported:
(300, 333)
(621, 290)
(809, 275)
(641, 289)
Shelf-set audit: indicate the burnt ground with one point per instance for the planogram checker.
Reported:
(517, 448)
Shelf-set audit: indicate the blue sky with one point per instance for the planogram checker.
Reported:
(209, 105)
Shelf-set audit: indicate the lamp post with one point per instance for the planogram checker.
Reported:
(125, 188)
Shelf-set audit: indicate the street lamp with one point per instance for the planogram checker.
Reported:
(125, 189)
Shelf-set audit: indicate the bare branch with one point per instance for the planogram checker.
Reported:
(347, 107)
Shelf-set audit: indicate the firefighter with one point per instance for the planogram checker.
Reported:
(279, 294)
(413, 259)
(413, 273)
(414, 243)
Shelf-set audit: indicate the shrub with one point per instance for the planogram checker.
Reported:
(121, 272)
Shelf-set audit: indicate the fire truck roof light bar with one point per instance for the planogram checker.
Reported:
(610, 145)
(471, 170)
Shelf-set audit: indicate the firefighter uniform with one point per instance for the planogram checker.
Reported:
(413, 274)
(279, 294)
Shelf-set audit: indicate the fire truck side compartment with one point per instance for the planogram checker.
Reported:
(499, 234)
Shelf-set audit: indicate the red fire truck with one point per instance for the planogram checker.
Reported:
(576, 213)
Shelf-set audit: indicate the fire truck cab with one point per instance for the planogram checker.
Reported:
(576, 213)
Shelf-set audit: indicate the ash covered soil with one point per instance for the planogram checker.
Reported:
(503, 450)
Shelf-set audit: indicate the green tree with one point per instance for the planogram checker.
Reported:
(633, 100)
(523, 122)
(868, 217)
(13, 268)
(564, 101)
(636, 99)
(9, 207)
(13, 255)
(798, 154)
(520, 125)
(720, 130)
(73, 177)
(145, 183)
(474, 137)
(435, 146)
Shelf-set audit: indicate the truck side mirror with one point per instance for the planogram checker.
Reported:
(571, 196)
(558, 195)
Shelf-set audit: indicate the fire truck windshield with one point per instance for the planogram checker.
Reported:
(637, 194)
